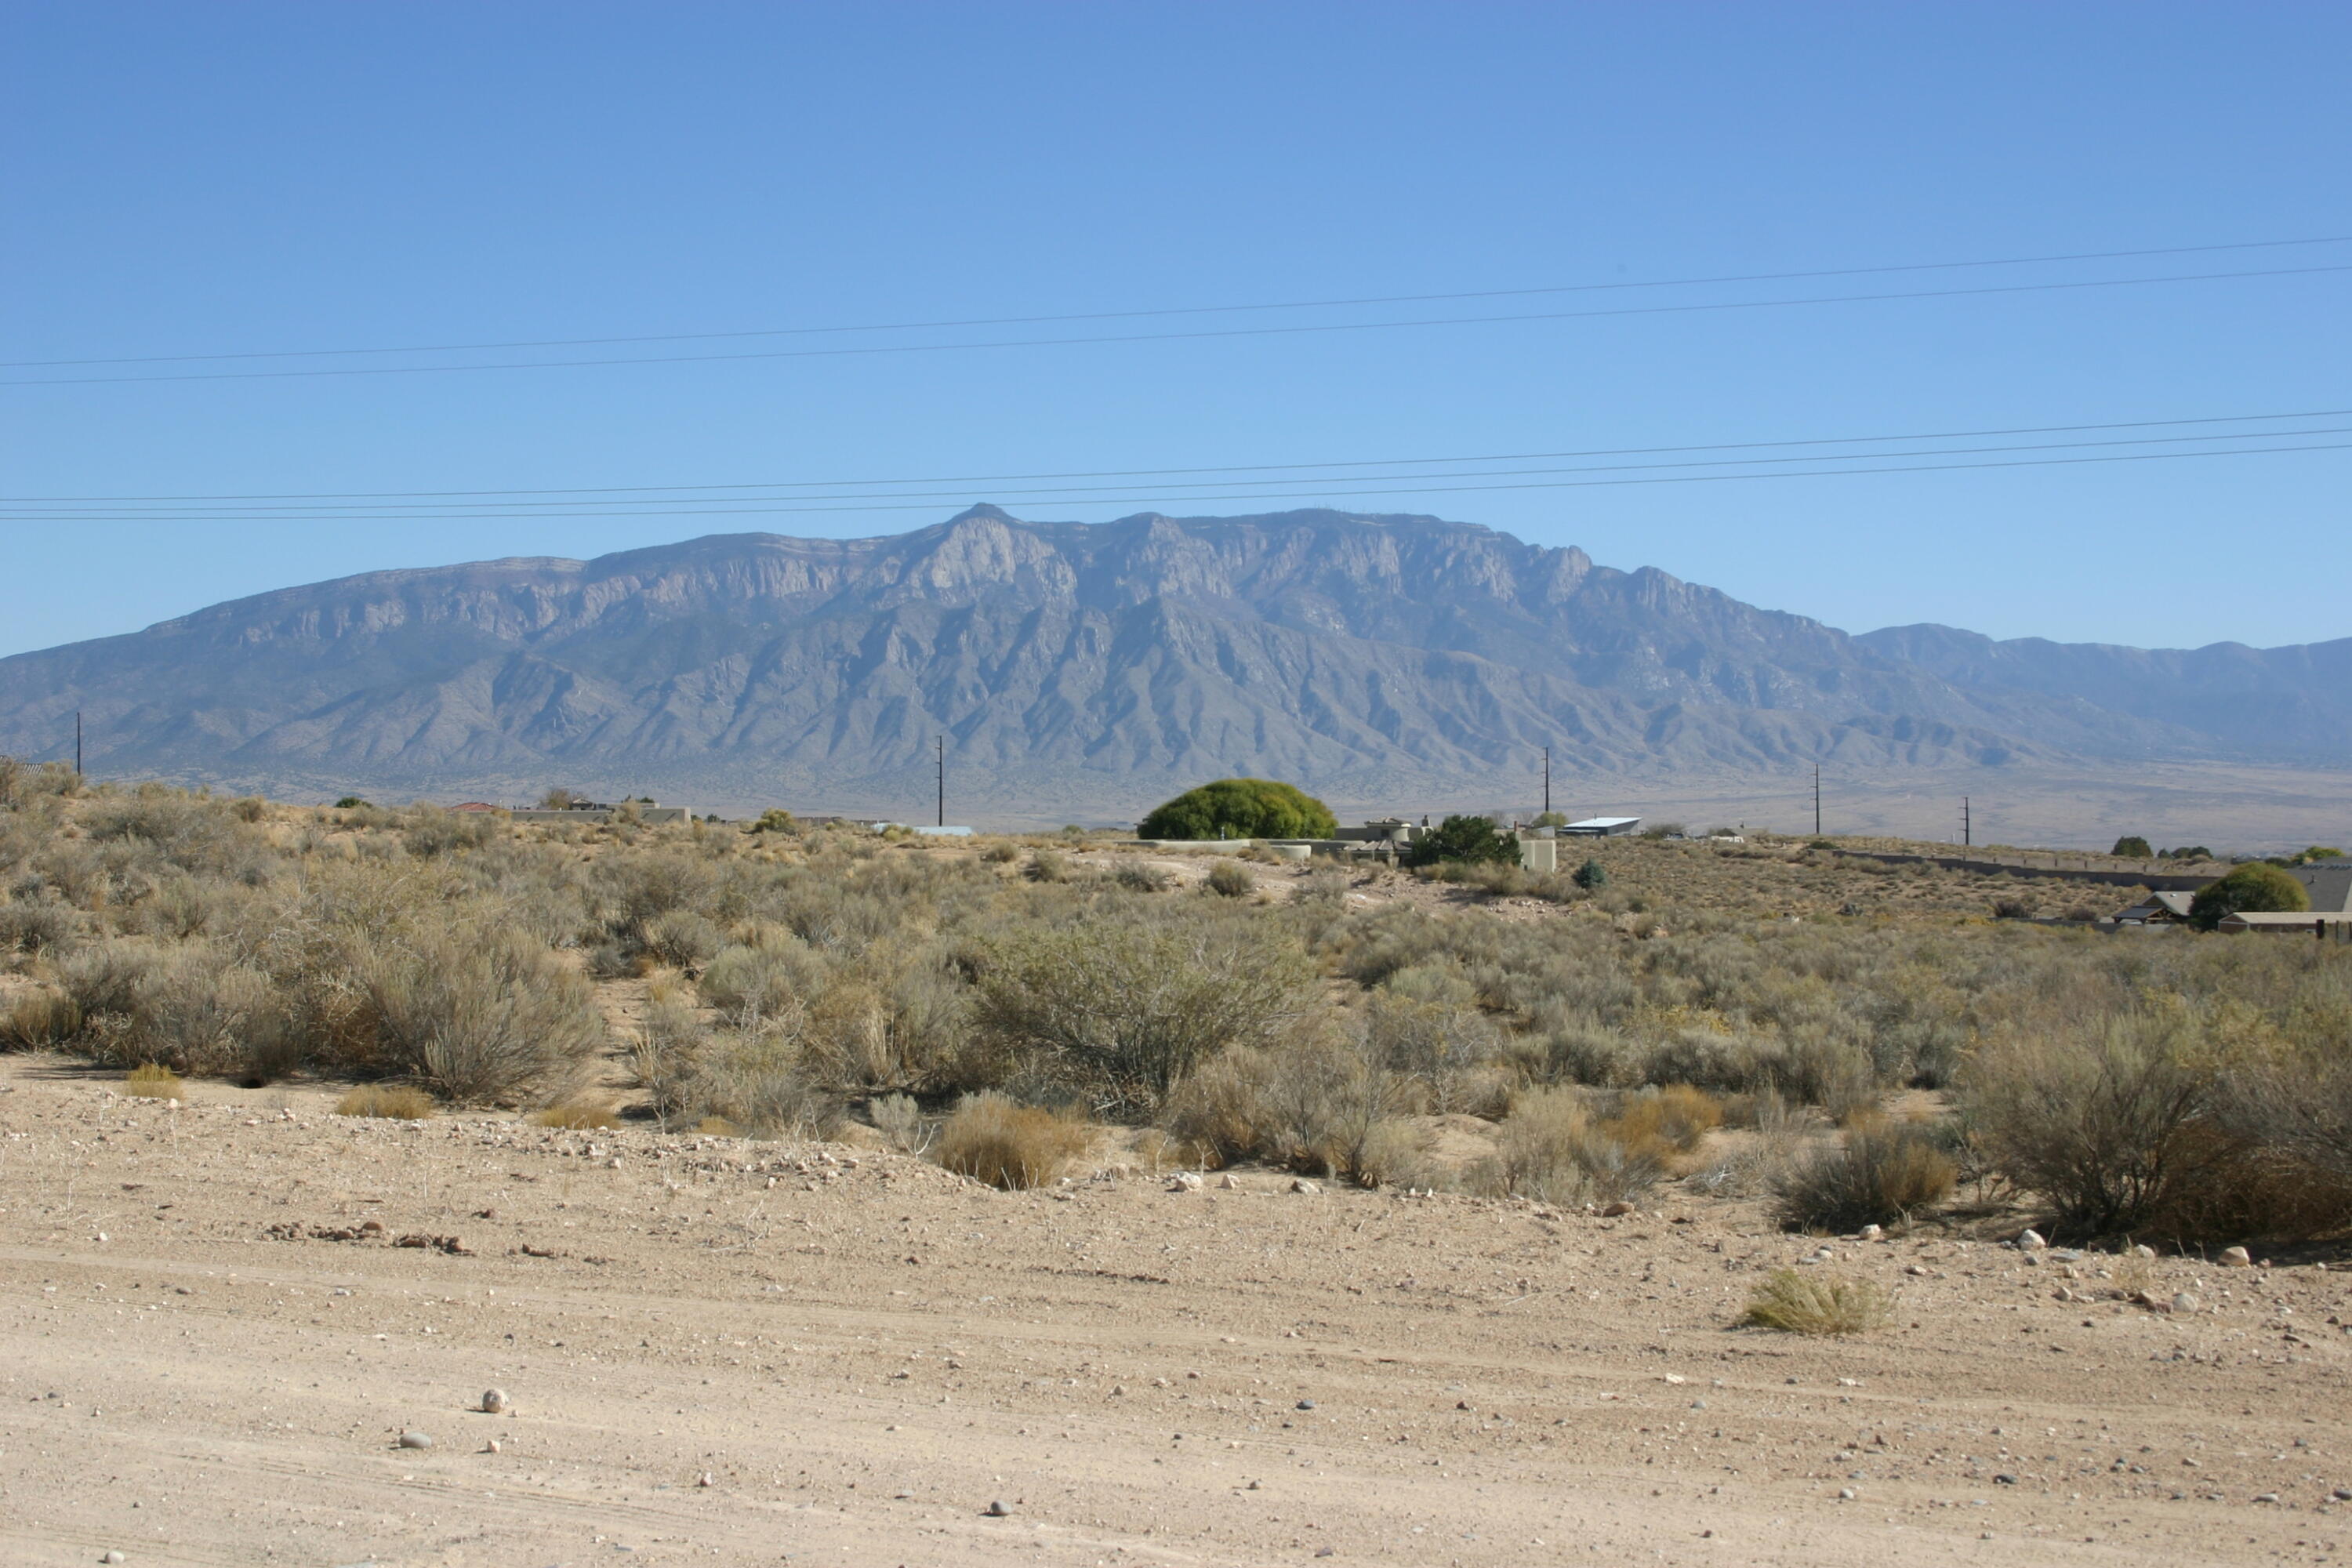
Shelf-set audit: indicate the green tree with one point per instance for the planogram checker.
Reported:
(2132, 846)
(1241, 808)
(1551, 819)
(1472, 840)
(2256, 886)
(1592, 876)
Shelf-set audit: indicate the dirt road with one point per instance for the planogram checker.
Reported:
(728, 1352)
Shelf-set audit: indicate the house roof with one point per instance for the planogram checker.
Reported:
(2329, 883)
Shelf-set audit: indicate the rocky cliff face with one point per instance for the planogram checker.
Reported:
(1074, 669)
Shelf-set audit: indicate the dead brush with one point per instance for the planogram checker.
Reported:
(397, 1102)
(993, 1140)
(1816, 1303)
(1880, 1176)
(153, 1080)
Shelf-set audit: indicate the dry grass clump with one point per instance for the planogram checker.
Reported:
(990, 1139)
(1877, 1177)
(399, 1103)
(1812, 1302)
(1315, 1105)
(40, 1019)
(152, 1081)
(579, 1115)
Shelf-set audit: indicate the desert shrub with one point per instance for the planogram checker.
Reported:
(107, 978)
(1551, 1148)
(1678, 1116)
(38, 926)
(1812, 1302)
(431, 831)
(1471, 839)
(681, 938)
(1119, 1010)
(1592, 876)
(1002, 852)
(1232, 880)
(200, 1013)
(762, 980)
(481, 1017)
(2255, 887)
(398, 1102)
(1877, 1177)
(152, 1081)
(1048, 866)
(1142, 877)
(1446, 1047)
(900, 1121)
(2132, 846)
(1241, 808)
(40, 1019)
(2105, 1120)
(579, 1115)
(990, 1139)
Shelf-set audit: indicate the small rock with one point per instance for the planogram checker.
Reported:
(2266, 1497)
(1302, 1184)
(495, 1402)
(1846, 1494)
(415, 1440)
(1611, 1211)
(2186, 1302)
(1919, 1269)
(2031, 1241)
(614, 1163)
(1228, 1183)
(2342, 1494)
(491, 1447)
(1873, 1232)
(110, 1557)
(2005, 1481)
(2143, 1250)
(2235, 1258)
(997, 1509)
(1305, 1405)
(1185, 1182)
(705, 1480)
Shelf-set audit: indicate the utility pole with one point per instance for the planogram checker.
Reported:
(1546, 780)
(1968, 826)
(1817, 800)
(77, 742)
(943, 781)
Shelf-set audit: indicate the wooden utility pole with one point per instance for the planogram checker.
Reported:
(1968, 826)
(943, 781)
(1817, 800)
(1546, 780)
(77, 742)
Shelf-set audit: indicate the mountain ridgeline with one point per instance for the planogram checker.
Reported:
(1088, 670)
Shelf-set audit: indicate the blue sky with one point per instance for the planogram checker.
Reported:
(214, 180)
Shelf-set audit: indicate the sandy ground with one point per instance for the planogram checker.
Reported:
(729, 1352)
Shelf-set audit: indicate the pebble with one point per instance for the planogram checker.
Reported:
(2235, 1258)
(1872, 1232)
(415, 1440)
(1303, 1185)
(1185, 1182)
(2031, 1241)
(2186, 1302)
(1611, 1211)
(495, 1402)
(111, 1557)
(2143, 1250)
(705, 1480)
(491, 1447)
(997, 1509)
(2266, 1497)
(1229, 1183)
(1305, 1405)
(1846, 1494)
(2342, 1494)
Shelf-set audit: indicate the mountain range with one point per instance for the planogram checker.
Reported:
(1088, 670)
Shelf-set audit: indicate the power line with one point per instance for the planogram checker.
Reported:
(717, 506)
(871, 349)
(1150, 496)
(1231, 468)
(1193, 309)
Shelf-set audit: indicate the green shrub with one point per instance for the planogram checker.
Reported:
(1142, 877)
(2132, 846)
(2254, 886)
(1240, 808)
(1470, 839)
(1592, 876)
